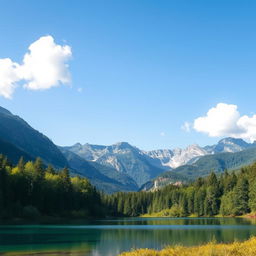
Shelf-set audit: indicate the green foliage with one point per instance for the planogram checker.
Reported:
(227, 204)
(175, 211)
(30, 190)
(241, 196)
(252, 196)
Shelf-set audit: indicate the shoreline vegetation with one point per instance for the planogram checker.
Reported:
(245, 248)
(167, 213)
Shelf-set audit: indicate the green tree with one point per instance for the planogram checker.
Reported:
(252, 196)
(227, 206)
(241, 196)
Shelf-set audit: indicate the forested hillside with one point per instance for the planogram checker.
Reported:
(228, 194)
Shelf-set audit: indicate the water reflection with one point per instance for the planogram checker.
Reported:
(110, 237)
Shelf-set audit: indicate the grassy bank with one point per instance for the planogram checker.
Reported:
(177, 212)
(247, 248)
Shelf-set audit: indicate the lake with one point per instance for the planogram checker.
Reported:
(111, 237)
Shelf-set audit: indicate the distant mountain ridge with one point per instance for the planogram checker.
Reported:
(162, 158)
(178, 157)
(123, 157)
(121, 166)
(143, 166)
(228, 154)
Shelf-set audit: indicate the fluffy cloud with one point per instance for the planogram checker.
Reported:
(44, 66)
(8, 77)
(225, 120)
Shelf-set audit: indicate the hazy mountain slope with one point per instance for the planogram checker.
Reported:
(13, 153)
(104, 178)
(127, 182)
(16, 131)
(123, 157)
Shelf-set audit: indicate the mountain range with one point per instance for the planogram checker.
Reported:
(122, 157)
(121, 166)
(178, 157)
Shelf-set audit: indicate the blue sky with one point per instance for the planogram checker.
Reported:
(145, 67)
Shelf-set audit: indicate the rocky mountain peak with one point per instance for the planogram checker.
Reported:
(230, 140)
(77, 145)
(122, 145)
(228, 144)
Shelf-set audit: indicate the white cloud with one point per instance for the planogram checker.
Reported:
(44, 66)
(162, 134)
(8, 77)
(225, 120)
(186, 127)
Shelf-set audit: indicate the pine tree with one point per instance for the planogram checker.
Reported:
(252, 196)
(227, 206)
(241, 196)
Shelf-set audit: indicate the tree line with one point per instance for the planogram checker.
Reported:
(228, 194)
(31, 190)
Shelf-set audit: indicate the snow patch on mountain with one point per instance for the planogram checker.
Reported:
(177, 157)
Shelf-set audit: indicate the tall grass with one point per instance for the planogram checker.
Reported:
(247, 248)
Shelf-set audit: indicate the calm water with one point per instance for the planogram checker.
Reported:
(111, 237)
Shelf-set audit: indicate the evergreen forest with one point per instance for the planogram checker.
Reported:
(30, 190)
